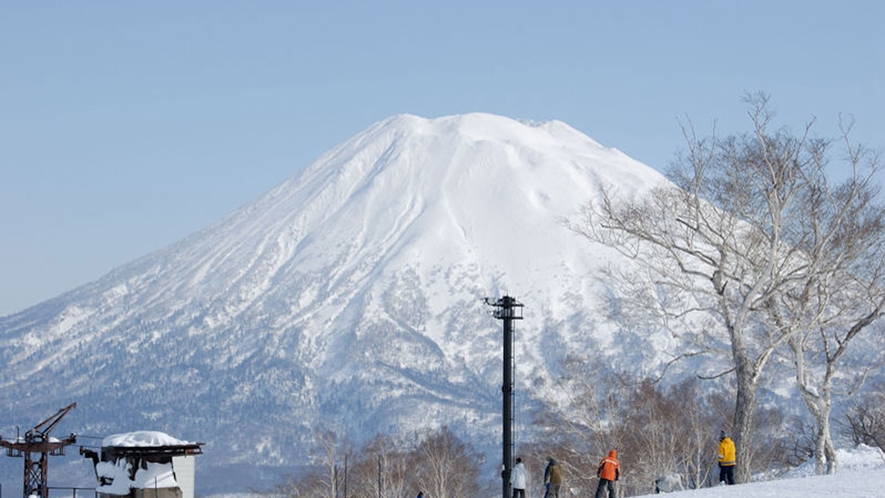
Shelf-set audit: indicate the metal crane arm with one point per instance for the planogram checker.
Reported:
(53, 420)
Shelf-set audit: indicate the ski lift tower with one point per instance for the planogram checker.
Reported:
(37, 441)
(507, 309)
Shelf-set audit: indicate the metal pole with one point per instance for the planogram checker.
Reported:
(507, 388)
(508, 309)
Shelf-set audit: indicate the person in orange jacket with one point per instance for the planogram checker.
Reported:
(726, 459)
(608, 472)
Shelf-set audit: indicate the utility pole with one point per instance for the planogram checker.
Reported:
(507, 309)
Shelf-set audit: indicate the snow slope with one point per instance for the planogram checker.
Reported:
(862, 475)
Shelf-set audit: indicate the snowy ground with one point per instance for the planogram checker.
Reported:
(861, 475)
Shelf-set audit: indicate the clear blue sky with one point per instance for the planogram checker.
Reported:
(126, 126)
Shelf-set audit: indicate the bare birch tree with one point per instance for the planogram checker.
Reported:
(717, 247)
(843, 238)
(446, 466)
(380, 470)
(324, 477)
(328, 443)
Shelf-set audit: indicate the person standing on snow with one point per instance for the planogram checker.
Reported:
(553, 478)
(518, 478)
(608, 472)
(726, 459)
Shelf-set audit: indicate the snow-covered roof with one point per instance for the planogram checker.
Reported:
(142, 439)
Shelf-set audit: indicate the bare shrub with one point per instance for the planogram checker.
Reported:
(864, 422)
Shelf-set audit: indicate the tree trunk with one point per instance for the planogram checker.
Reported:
(743, 413)
(819, 403)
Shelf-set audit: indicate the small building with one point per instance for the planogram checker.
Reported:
(144, 464)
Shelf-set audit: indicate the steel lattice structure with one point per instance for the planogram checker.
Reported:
(37, 442)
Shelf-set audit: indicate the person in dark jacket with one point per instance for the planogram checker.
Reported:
(553, 478)
(608, 472)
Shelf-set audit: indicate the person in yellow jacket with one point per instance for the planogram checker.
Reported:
(726, 459)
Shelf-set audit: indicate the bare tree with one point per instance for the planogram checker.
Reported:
(288, 488)
(696, 415)
(577, 423)
(381, 469)
(665, 431)
(322, 477)
(330, 481)
(652, 437)
(842, 231)
(717, 248)
(386, 467)
(655, 429)
(446, 466)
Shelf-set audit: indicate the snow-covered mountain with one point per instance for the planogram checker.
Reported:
(349, 297)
